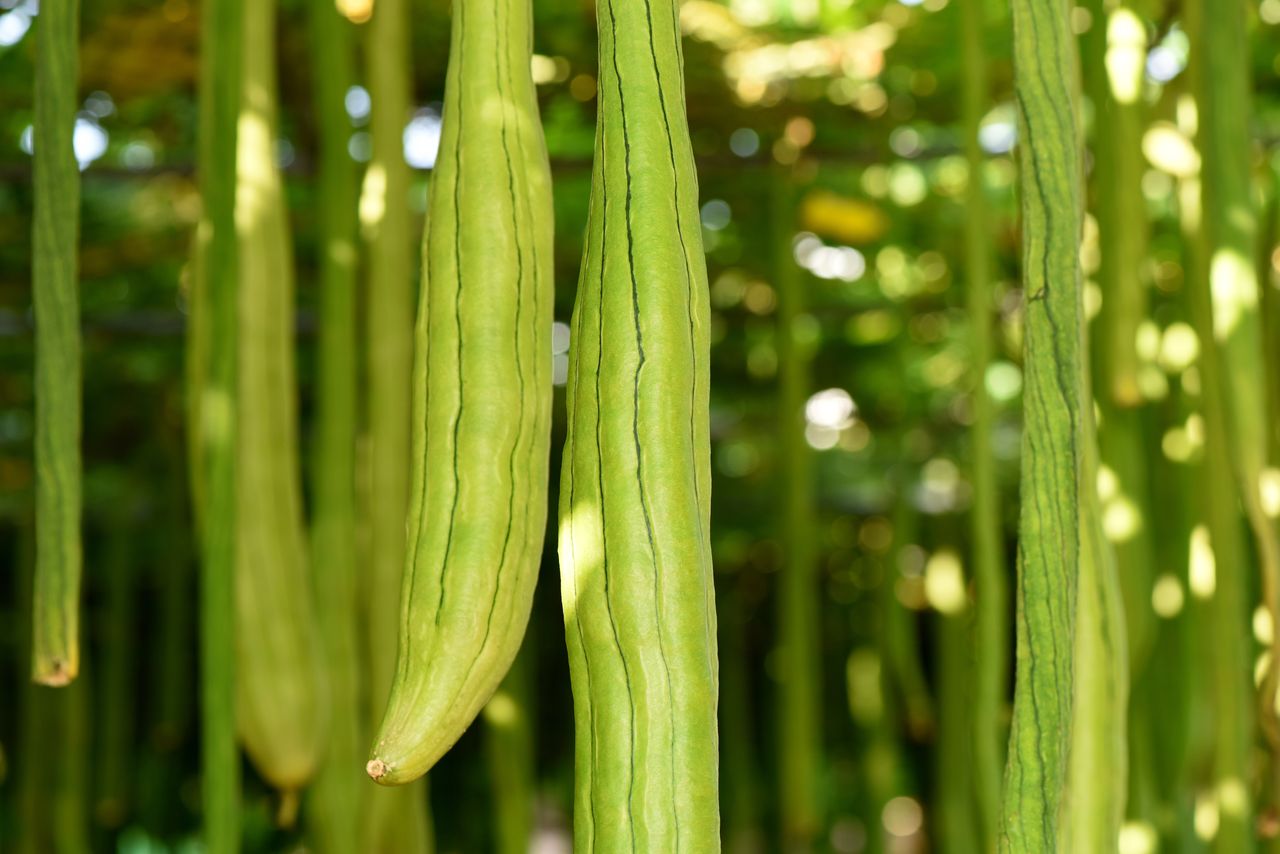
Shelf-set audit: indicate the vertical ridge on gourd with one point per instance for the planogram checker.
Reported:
(213, 341)
(334, 801)
(1059, 536)
(280, 713)
(635, 497)
(56, 302)
(482, 396)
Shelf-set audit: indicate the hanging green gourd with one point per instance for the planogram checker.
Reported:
(212, 342)
(56, 625)
(990, 572)
(280, 715)
(335, 799)
(636, 581)
(482, 396)
(1064, 787)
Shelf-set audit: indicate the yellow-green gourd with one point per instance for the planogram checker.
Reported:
(280, 714)
(636, 579)
(481, 396)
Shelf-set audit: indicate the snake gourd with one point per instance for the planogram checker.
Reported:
(481, 396)
(636, 582)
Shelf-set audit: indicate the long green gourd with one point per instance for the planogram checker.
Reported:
(1069, 674)
(1115, 51)
(958, 813)
(56, 626)
(990, 573)
(172, 661)
(799, 624)
(482, 396)
(1227, 609)
(509, 755)
(1099, 761)
(334, 802)
(384, 214)
(115, 725)
(393, 819)
(1220, 73)
(636, 581)
(211, 406)
(280, 713)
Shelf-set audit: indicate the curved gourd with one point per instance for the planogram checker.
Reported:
(482, 396)
(280, 716)
(635, 560)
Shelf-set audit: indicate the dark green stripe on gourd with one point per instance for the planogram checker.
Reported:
(280, 712)
(211, 407)
(636, 573)
(482, 396)
(55, 296)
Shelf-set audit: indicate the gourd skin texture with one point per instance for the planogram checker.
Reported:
(636, 579)
(280, 715)
(56, 626)
(1059, 537)
(482, 396)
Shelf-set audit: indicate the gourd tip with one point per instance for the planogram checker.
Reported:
(56, 675)
(376, 768)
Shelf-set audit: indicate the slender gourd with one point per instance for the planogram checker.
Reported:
(280, 714)
(115, 724)
(56, 651)
(957, 799)
(334, 804)
(1268, 266)
(636, 581)
(394, 819)
(799, 630)
(1115, 51)
(903, 659)
(482, 396)
(384, 214)
(1059, 536)
(1220, 74)
(211, 392)
(1226, 615)
(1097, 776)
(173, 668)
(509, 754)
(743, 792)
(990, 574)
